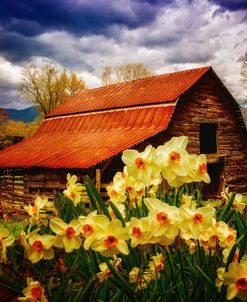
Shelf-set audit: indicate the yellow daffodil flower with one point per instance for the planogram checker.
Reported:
(90, 225)
(141, 277)
(139, 231)
(40, 247)
(34, 292)
(163, 218)
(111, 239)
(141, 166)
(67, 235)
(156, 265)
(5, 240)
(196, 221)
(236, 280)
(173, 160)
(198, 169)
(73, 189)
(116, 192)
(38, 209)
(220, 277)
(105, 272)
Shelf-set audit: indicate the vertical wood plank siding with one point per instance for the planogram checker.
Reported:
(207, 102)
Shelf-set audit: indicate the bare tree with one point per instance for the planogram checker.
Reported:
(123, 73)
(3, 121)
(46, 87)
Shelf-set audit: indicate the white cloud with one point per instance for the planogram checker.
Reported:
(10, 74)
(185, 34)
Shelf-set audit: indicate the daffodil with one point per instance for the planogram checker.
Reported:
(194, 222)
(156, 265)
(173, 160)
(209, 239)
(198, 169)
(111, 239)
(67, 235)
(240, 202)
(236, 280)
(139, 231)
(40, 247)
(73, 189)
(220, 277)
(227, 236)
(34, 292)
(105, 272)
(188, 201)
(141, 165)
(90, 225)
(141, 277)
(135, 189)
(163, 218)
(38, 209)
(5, 240)
(116, 192)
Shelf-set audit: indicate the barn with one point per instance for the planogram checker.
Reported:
(86, 134)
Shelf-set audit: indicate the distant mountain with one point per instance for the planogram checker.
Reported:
(25, 115)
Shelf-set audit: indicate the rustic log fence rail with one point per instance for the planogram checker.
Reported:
(18, 190)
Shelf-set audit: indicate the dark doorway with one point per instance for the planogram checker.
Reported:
(214, 188)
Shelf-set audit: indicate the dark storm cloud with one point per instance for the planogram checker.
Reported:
(75, 16)
(18, 48)
(231, 5)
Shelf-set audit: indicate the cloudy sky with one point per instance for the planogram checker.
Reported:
(86, 35)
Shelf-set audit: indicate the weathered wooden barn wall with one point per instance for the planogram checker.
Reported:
(19, 187)
(206, 102)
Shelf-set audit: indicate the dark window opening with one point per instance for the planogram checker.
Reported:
(208, 138)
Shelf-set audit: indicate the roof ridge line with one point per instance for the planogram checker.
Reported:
(113, 109)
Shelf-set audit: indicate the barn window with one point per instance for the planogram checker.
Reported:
(208, 138)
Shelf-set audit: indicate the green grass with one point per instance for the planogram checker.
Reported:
(14, 225)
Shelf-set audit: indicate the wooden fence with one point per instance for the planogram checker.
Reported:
(18, 189)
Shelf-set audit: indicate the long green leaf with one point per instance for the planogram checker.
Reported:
(84, 290)
(186, 289)
(210, 282)
(91, 187)
(117, 213)
(60, 294)
(227, 207)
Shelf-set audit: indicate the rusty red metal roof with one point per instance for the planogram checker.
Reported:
(99, 123)
(151, 90)
(82, 141)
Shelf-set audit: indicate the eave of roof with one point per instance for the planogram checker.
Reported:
(82, 141)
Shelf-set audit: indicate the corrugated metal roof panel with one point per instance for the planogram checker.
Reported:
(61, 143)
(156, 89)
